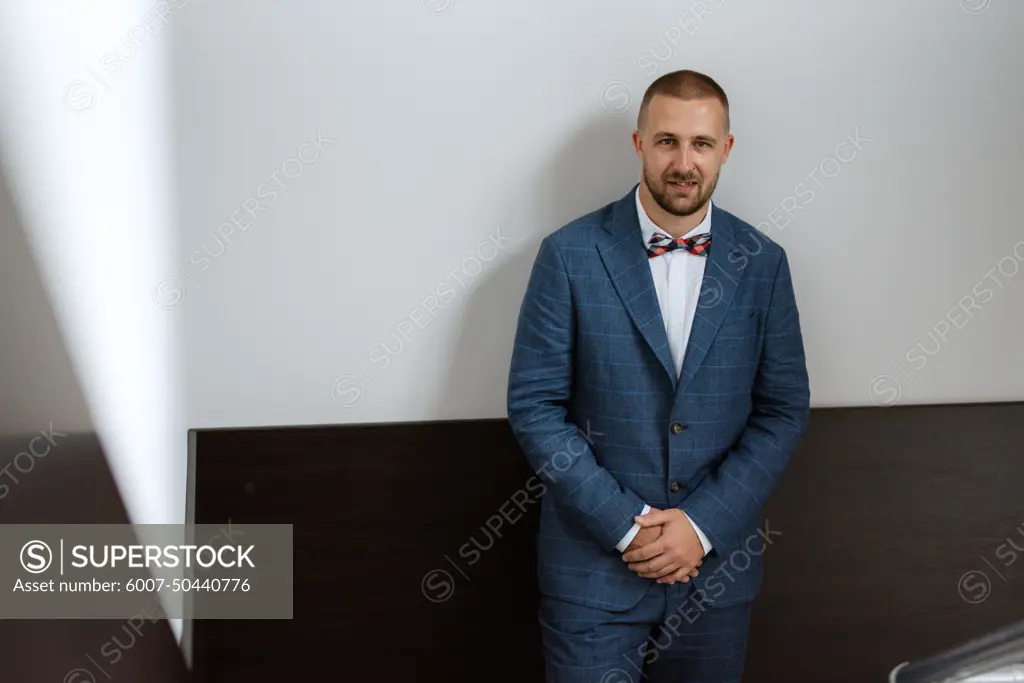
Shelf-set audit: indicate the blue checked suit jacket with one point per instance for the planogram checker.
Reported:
(593, 397)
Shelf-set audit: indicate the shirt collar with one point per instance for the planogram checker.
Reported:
(648, 228)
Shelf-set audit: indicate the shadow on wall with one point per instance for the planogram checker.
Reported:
(53, 471)
(594, 167)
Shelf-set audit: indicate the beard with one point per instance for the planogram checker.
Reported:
(672, 201)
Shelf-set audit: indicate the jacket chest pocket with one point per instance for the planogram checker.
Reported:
(738, 332)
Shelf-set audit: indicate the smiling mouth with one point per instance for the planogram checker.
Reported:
(684, 185)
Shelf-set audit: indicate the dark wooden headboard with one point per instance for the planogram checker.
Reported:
(892, 543)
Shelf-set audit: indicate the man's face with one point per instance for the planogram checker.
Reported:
(682, 148)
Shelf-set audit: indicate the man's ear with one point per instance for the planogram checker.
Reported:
(728, 148)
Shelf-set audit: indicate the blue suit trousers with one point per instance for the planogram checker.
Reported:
(670, 636)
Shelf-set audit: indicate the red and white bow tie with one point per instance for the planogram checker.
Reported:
(697, 244)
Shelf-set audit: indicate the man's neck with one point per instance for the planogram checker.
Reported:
(673, 225)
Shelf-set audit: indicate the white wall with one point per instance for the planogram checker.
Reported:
(452, 121)
(39, 388)
(84, 146)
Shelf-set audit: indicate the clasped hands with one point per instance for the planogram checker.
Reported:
(665, 548)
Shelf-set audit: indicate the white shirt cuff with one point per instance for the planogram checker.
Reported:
(631, 534)
(704, 541)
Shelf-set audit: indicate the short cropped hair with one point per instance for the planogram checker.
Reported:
(685, 85)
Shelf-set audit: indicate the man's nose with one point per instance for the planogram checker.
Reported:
(684, 161)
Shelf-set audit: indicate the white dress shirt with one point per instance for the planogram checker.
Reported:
(677, 279)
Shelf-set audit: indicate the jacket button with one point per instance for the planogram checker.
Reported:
(675, 487)
(676, 428)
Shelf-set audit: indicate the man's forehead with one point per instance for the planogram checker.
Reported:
(673, 106)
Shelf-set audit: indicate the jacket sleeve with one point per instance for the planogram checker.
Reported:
(539, 385)
(729, 500)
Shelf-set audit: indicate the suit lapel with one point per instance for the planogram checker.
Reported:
(722, 274)
(625, 257)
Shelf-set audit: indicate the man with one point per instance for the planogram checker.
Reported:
(657, 371)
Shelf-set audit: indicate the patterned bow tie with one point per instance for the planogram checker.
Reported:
(660, 243)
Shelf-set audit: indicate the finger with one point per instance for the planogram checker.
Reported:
(653, 518)
(681, 575)
(656, 567)
(648, 551)
(670, 568)
(657, 563)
